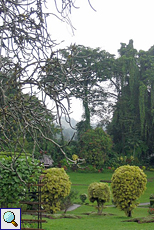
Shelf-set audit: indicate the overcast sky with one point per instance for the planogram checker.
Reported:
(114, 21)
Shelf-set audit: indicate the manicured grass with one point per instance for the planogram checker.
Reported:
(150, 187)
(87, 178)
(99, 222)
(94, 221)
(80, 182)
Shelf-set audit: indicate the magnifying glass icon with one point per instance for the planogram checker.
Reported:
(9, 217)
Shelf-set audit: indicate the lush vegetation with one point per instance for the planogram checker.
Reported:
(131, 83)
(14, 184)
(132, 124)
(95, 147)
(129, 132)
(111, 216)
(27, 123)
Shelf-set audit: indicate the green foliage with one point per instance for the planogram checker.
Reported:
(128, 183)
(124, 160)
(68, 200)
(132, 125)
(75, 157)
(25, 108)
(142, 104)
(95, 146)
(12, 189)
(81, 128)
(83, 197)
(86, 169)
(94, 65)
(152, 196)
(56, 186)
(151, 211)
(99, 192)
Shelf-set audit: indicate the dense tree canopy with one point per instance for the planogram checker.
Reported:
(132, 123)
(95, 146)
(91, 68)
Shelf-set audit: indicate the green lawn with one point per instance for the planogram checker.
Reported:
(80, 182)
(93, 221)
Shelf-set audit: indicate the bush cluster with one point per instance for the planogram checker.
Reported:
(127, 184)
(12, 176)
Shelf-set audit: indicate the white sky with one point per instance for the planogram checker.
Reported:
(114, 21)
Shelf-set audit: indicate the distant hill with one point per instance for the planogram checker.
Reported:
(66, 125)
(67, 129)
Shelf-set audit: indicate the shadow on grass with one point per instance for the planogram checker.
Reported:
(60, 216)
(141, 220)
(95, 214)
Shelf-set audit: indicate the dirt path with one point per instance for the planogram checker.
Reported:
(75, 206)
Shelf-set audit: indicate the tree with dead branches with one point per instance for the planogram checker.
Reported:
(26, 50)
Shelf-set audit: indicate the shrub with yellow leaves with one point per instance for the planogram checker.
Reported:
(56, 186)
(128, 183)
(75, 157)
(99, 192)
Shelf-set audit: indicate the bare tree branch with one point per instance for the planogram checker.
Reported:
(27, 56)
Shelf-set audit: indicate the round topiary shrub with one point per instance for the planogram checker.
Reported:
(99, 192)
(127, 183)
(56, 186)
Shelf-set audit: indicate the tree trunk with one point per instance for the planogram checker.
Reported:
(86, 107)
(100, 208)
(129, 214)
